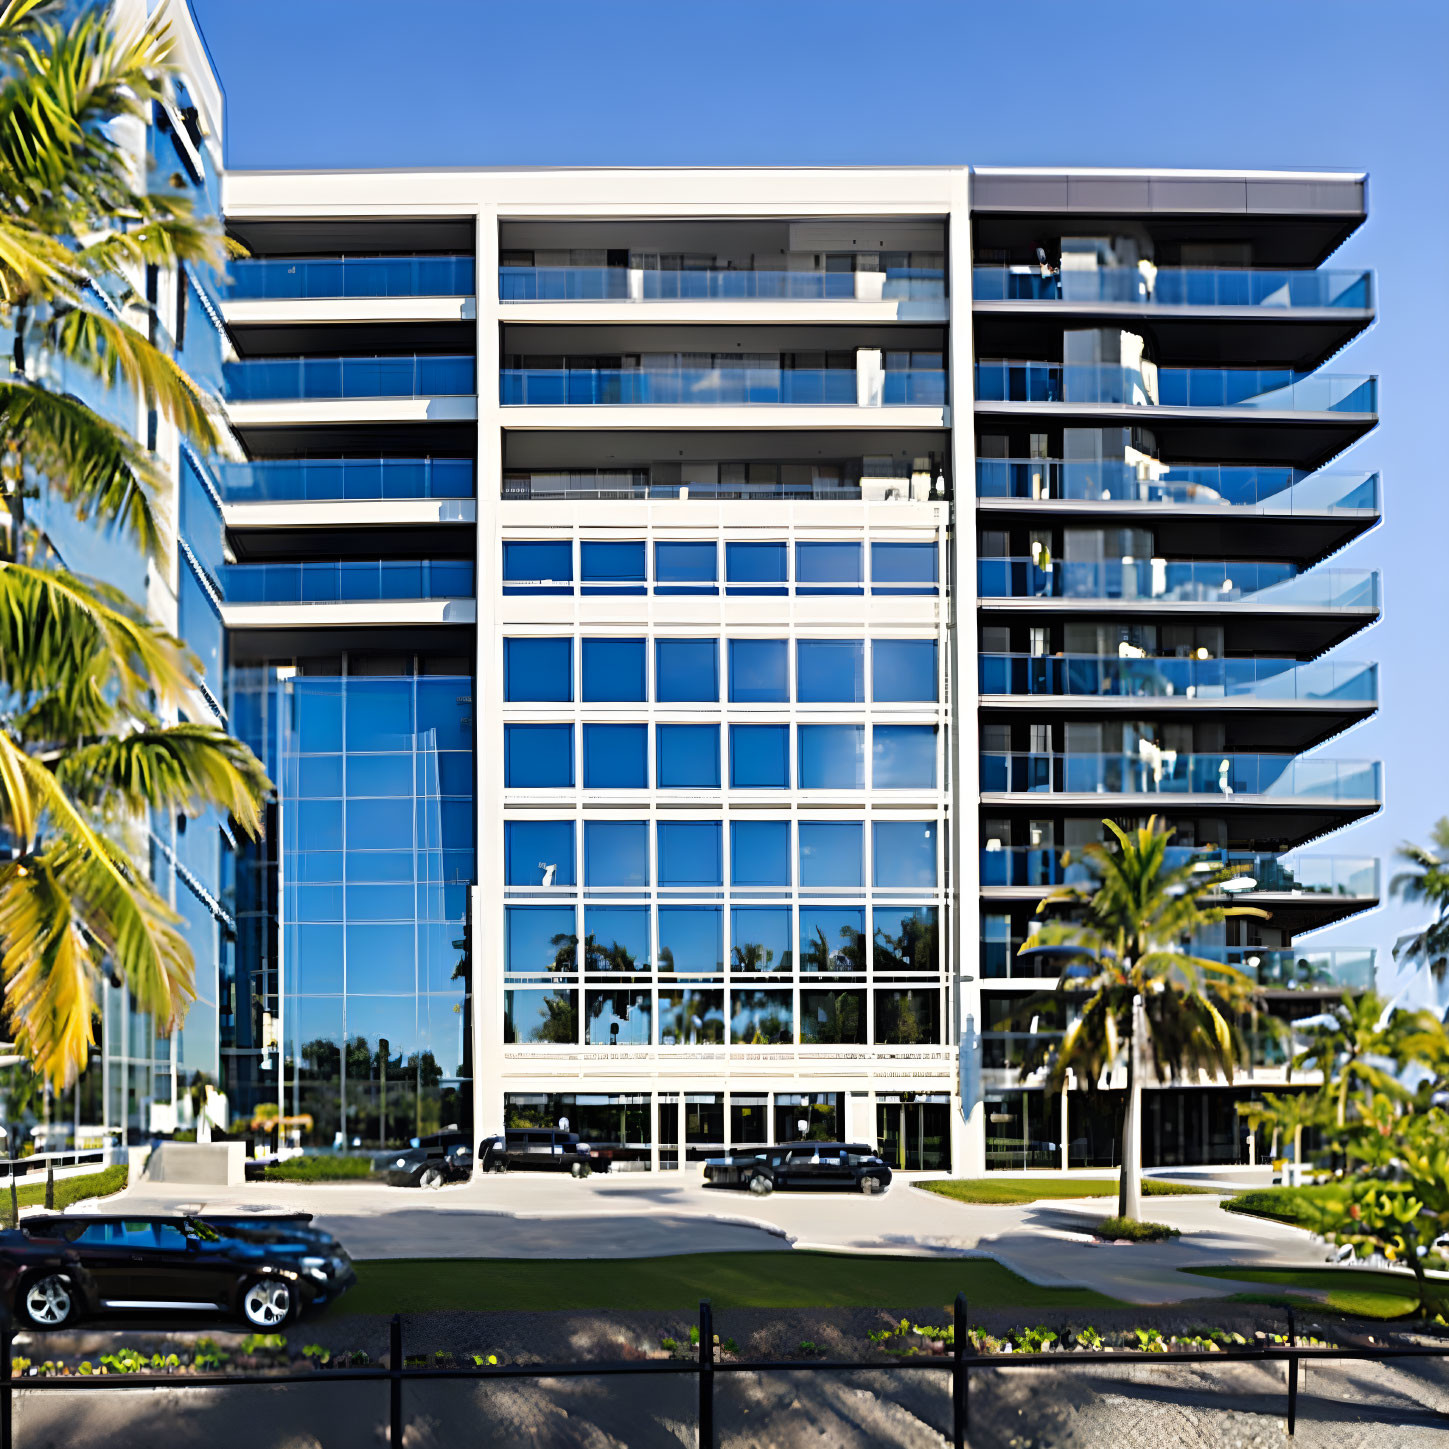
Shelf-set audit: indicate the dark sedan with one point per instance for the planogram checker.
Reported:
(838, 1166)
(266, 1270)
(431, 1161)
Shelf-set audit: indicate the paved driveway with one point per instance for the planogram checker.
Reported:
(551, 1216)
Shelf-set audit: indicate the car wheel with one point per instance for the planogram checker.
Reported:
(430, 1177)
(266, 1303)
(870, 1186)
(576, 1169)
(48, 1301)
(761, 1185)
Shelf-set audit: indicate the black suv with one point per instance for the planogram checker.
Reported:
(841, 1166)
(435, 1159)
(266, 1269)
(541, 1149)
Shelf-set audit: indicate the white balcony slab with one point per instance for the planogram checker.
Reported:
(351, 513)
(293, 412)
(388, 612)
(706, 311)
(300, 311)
(723, 417)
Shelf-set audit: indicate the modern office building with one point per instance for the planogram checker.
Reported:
(687, 614)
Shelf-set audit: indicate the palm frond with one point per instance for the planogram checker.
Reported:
(183, 766)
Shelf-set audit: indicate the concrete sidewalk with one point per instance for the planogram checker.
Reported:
(542, 1215)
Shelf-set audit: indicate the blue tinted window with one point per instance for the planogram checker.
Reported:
(905, 852)
(539, 938)
(691, 1018)
(907, 937)
(613, 669)
(762, 1018)
(832, 757)
(831, 853)
(903, 670)
(616, 853)
(540, 1016)
(686, 563)
(760, 937)
(903, 563)
(691, 939)
(686, 671)
(759, 671)
(318, 704)
(760, 852)
(760, 757)
(539, 852)
(319, 776)
(618, 1018)
(538, 562)
(832, 938)
(687, 757)
(818, 564)
(319, 824)
(616, 757)
(830, 671)
(689, 853)
(379, 775)
(616, 938)
(903, 757)
(620, 563)
(538, 670)
(380, 714)
(378, 824)
(318, 959)
(755, 563)
(538, 754)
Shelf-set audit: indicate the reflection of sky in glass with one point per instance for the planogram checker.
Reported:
(760, 852)
(618, 938)
(760, 757)
(529, 938)
(616, 853)
(687, 756)
(830, 938)
(532, 846)
(832, 757)
(905, 853)
(760, 938)
(689, 853)
(759, 671)
(691, 939)
(831, 853)
(830, 671)
(617, 1018)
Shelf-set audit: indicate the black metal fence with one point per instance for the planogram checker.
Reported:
(959, 1364)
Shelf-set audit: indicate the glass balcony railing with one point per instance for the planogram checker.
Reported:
(1352, 877)
(348, 581)
(712, 386)
(1285, 968)
(1276, 585)
(328, 480)
(883, 485)
(1112, 677)
(279, 379)
(1101, 384)
(1112, 480)
(282, 278)
(625, 284)
(1177, 287)
(1166, 772)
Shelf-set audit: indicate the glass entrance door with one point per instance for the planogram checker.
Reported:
(915, 1136)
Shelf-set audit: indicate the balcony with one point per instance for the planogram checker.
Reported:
(1160, 581)
(285, 279)
(640, 284)
(1218, 777)
(1115, 481)
(1190, 287)
(1094, 385)
(722, 386)
(1342, 876)
(335, 480)
(288, 379)
(1089, 676)
(348, 581)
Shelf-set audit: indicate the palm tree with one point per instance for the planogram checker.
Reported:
(1361, 1042)
(91, 689)
(1135, 1000)
(1426, 883)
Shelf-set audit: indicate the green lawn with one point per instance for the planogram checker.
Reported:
(1349, 1290)
(1031, 1189)
(321, 1168)
(728, 1280)
(1282, 1204)
(68, 1189)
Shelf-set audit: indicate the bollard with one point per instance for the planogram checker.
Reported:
(50, 1184)
(960, 1380)
(1292, 1375)
(706, 1375)
(394, 1384)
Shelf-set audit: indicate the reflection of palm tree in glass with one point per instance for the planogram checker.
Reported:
(559, 1020)
(898, 1018)
(914, 949)
(817, 955)
(613, 957)
(752, 956)
(565, 952)
(841, 1025)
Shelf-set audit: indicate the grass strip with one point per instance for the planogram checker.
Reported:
(1358, 1291)
(68, 1190)
(319, 1169)
(1008, 1190)
(781, 1279)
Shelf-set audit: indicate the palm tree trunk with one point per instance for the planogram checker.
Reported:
(1129, 1192)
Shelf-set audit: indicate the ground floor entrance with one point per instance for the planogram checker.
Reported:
(914, 1134)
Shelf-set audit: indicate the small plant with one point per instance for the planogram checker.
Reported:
(731, 1347)
(319, 1355)
(490, 1360)
(264, 1343)
(415, 1360)
(808, 1348)
(1089, 1338)
(19, 1365)
(694, 1335)
(1033, 1340)
(1149, 1340)
(1134, 1231)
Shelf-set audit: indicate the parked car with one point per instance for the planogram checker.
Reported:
(433, 1160)
(266, 1270)
(540, 1149)
(841, 1166)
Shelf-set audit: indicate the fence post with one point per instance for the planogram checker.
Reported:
(706, 1375)
(7, 1431)
(1292, 1375)
(959, 1376)
(50, 1184)
(394, 1384)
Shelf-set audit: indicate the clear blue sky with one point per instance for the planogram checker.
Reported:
(1220, 83)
